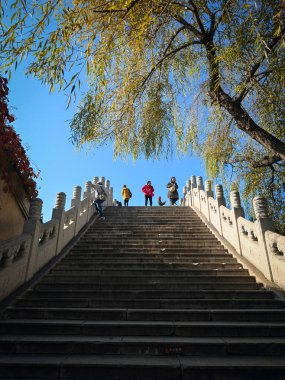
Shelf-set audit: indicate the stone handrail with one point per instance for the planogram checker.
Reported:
(255, 241)
(23, 256)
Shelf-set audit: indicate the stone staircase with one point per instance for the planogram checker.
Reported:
(147, 294)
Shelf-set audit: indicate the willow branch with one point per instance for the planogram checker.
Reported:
(173, 38)
(257, 65)
(265, 161)
(188, 26)
(197, 16)
(171, 53)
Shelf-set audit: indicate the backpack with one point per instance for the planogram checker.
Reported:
(130, 193)
(102, 194)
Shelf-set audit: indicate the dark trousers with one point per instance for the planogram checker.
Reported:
(146, 199)
(173, 201)
(126, 202)
(98, 206)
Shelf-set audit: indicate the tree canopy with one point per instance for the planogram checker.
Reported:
(201, 75)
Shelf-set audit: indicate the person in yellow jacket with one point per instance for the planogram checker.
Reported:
(126, 194)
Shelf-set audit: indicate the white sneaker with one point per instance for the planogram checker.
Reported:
(102, 218)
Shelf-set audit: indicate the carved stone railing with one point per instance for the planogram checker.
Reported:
(254, 241)
(23, 256)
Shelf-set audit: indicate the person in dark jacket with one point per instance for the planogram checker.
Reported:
(172, 191)
(99, 197)
(148, 191)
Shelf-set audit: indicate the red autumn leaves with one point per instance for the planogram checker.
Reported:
(12, 151)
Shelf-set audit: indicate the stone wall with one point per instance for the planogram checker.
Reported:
(13, 210)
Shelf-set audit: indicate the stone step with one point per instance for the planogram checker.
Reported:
(120, 367)
(157, 294)
(116, 264)
(138, 345)
(150, 250)
(217, 277)
(144, 229)
(150, 209)
(158, 255)
(260, 315)
(166, 271)
(137, 233)
(155, 210)
(206, 285)
(131, 233)
(151, 303)
(91, 266)
(130, 245)
(82, 328)
(135, 247)
(151, 232)
(137, 236)
(121, 260)
(144, 224)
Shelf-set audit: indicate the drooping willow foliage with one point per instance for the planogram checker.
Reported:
(199, 75)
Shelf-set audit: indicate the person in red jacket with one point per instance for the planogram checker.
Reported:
(148, 191)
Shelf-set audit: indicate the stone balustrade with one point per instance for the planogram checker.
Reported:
(23, 256)
(255, 241)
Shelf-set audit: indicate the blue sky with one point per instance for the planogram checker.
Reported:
(42, 122)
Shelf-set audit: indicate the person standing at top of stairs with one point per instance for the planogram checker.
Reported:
(172, 191)
(148, 191)
(126, 194)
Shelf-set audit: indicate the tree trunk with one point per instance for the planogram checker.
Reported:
(243, 120)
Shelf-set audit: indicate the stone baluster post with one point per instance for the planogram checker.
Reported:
(111, 196)
(261, 210)
(200, 183)
(205, 208)
(208, 188)
(188, 193)
(95, 180)
(200, 186)
(220, 199)
(59, 204)
(263, 223)
(237, 211)
(220, 195)
(193, 186)
(107, 188)
(76, 196)
(87, 194)
(75, 202)
(183, 200)
(33, 227)
(188, 185)
(58, 214)
(87, 189)
(102, 180)
(193, 182)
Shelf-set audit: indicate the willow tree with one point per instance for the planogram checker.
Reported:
(197, 74)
